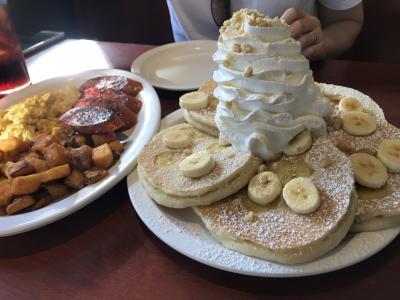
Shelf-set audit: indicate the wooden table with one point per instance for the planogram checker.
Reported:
(105, 251)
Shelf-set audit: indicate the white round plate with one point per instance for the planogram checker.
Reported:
(148, 124)
(179, 66)
(184, 231)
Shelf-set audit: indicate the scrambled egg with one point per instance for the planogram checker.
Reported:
(36, 114)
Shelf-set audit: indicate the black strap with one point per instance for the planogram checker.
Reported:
(220, 11)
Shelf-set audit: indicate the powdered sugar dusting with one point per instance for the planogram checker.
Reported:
(278, 227)
(207, 112)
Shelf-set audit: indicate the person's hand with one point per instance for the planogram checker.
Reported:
(307, 30)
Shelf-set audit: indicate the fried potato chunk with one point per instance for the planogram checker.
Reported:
(42, 141)
(56, 190)
(23, 185)
(42, 199)
(116, 146)
(5, 192)
(19, 204)
(21, 168)
(55, 173)
(5, 169)
(56, 155)
(12, 147)
(100, 139)
(102, 156)
(76, 180)
(82, 158)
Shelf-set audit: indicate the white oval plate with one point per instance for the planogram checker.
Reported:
(148, 124)
(184, 231)
(179, 66)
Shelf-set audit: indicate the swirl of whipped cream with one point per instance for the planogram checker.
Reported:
(266, 91)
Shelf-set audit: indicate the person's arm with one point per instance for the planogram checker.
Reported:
(329, 36)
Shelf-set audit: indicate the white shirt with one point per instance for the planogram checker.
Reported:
(192, 19)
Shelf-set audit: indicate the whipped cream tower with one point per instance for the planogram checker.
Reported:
(266, 91)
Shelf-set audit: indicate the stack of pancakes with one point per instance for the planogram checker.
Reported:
(273, 231)
(204, 118)
(163, 180)
(378, 208)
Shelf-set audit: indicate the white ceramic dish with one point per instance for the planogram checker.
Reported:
(178, 66)
(148, 124)
(184, 231)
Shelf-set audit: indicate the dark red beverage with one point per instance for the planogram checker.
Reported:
(13, 72)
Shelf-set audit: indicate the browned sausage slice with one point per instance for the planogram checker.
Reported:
(118, 84)
(92, 119)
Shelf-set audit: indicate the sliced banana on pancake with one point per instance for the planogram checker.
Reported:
(347, 104)
(198, 164)
(368, 170)
(389, 154)
(264, 187)
(193, 100)
(176, 139)
(299, 144)
(358, 123)
(301, 195)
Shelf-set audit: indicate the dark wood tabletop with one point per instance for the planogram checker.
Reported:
(104, 251)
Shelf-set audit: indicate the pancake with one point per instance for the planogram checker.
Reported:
(336, 92)
(203, 119)
(161, 177)
(274, 232)
(377, 208)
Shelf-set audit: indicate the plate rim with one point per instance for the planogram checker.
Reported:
(57, 210)
(132, 179)
(139, 61)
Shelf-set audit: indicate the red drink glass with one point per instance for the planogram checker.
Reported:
(13, 72)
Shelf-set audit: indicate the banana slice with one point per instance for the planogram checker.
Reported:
(198, 164)
(301, 195)
(350, 104)
(194, 100)
(358, 123)
(368, 170)
(299, 144)
(176, 139)
(389, 154)
(264, 188)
